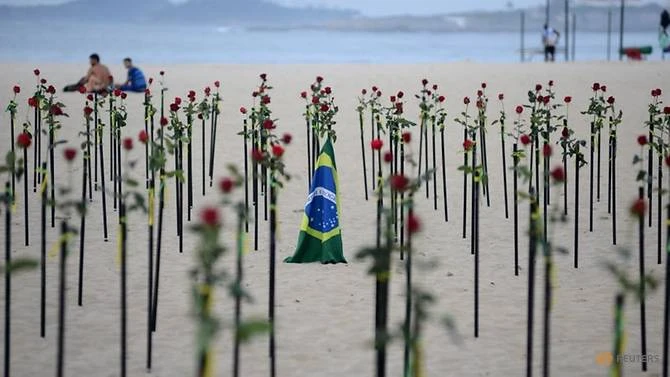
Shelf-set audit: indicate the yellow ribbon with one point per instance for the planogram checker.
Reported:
(245, 243)
(207, 291)
(151, 207)
(64, 238)
(43, 185)
(119, 242)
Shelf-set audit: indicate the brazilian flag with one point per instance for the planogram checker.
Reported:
(320, 238)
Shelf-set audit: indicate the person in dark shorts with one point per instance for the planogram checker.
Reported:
(136, 81)
(550, 39)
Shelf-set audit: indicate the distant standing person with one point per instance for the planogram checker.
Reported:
(136, 81)
(98, 77)
(550, 40)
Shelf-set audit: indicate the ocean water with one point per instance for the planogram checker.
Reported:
(163, 44)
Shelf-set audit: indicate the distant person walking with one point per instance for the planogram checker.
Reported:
(135, 81)
(550, 39)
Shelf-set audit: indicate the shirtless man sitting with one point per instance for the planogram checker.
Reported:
(97, 78)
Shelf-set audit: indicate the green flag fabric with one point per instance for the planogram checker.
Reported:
(320, 238)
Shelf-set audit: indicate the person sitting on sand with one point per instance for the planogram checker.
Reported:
(136, 81)
(549, 40)
(98, 77)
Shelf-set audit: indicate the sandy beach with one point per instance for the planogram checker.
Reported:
(325, 313)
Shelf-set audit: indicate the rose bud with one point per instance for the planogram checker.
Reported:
(379, 93)
(468, 144)
(540, 99)
(565, 133)
(483, 85)
(315, 100)
(441, 99)
(413, 224)
(519, 109)
(392, 98)
(277, 150)
(406, 137)
(376, 144)
(36, 72)
(546, 100)
(127, 143)
(51, 89)
(328, 90)
(191, 93)
(147, 92)
(638, 208)
(399, 182)
(268, 124)
(480, 93)
(642, 140)
(243, 110)
(434, 86)
(567, 99)
(303, 94)
(164, 121)
(177, 100)
(364, 92)
(319, 79)
(162, 73)
(610, 100)
(546, 150)
(17, 89)
(82, 89)
(151, 80)
(89, 97)
(666, 110)
(286, 138)
(501, 96)
(32, 102)
(388, 157)
(217, 84)
(398, 108)
(374, 89)
(466, 100)
(209, 217)
(208, 91)
(124, 95)
(551, 82)
(424, 82)
(174, 107)
(603, 88)
(43, 81)
(401, 94)
(525, 139)
(117, 92)
(70, 154)
(428, 92)
(257, 155)
(264, 76)
(23, 140)
(226, 185)
(538, 87)
(88, 111)
(143, 137)
(558, 174)
(324, 108)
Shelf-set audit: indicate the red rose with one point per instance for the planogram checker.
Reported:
(501, 96)
(667, 160)
(466, 100)
(51, 89)
(374, 89)
(480, 93)
(364, 92)
(610, 100)
(70, 153)
(265, 100)
(164, 121)
(89, 97)
(399, 182)
(538, 87)
(127, 143)
(177, 100)
(143, 137)
(151, 80)
(392, 98)
(328, 90)
(480, 104)
(191, 93)
(519, 109)
(17, 89)
(428, 92)
(23, 140)
(401, 94)
(595, 87)
(441, 99)
(268, 124)
(483, 85)
(546, 150)
(406, 137)
(286, 138)
(303, 94)
(656, 92)
(666, 110)
(603, 88)
(277, 150)
(398, 108)
(208, 91)
(162, 73)
(88, 111)
(565, 133)
(217, 83)
(55, 110)
(82, 89)
(315, 100)
(424, 82)
(558, 174)
(32, 101)
(324, 108)
(209, 217)
(243, 110)
(413, 224)
(434, 86)
(379, 93)
(174, 107)
(377, 144)
(147, 92)
(124, 95)
(540, 99)
(567, 99)
(546, 100)
(117, 92)
(525, 139)
(642, 140)
(638, 208)
(257, 155)
(468, 144)
(551, 82)
(264, 76)
(388, 157)
(36, 72)
(43, 81)
(226, 185)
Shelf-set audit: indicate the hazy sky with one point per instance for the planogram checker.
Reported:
(383, 7)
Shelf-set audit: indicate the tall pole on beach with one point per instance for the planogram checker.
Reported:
(567, 30)
(622, 11)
